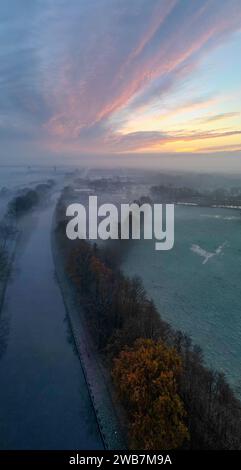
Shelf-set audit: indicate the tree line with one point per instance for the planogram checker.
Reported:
(171, 399)
(27, 199)
(22, 203)
(172, 194)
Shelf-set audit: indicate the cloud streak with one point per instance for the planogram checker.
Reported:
(136, 140)
(219, 117)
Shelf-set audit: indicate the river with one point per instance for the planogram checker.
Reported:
(44, 400)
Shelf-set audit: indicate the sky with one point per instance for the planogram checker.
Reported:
(140, 81)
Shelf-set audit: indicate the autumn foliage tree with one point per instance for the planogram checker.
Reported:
(146, 377)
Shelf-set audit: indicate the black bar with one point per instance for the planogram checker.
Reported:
(105, 459)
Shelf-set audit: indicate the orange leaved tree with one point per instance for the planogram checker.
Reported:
(146, 378)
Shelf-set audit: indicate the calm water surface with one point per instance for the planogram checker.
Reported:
(44, 401)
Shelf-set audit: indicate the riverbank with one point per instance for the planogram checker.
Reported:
(99, 388)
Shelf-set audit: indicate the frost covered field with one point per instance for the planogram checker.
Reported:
(196, 285)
